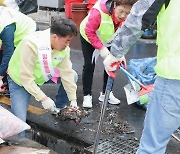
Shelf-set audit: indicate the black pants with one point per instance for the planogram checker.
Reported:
(88, 68)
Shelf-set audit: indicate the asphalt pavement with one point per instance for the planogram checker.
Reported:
(67, 137)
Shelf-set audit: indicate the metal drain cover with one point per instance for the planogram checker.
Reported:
(115, 145)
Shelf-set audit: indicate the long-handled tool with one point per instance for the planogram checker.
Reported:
(103, 110)
(132, 77)
(176, 137)
(178, 133)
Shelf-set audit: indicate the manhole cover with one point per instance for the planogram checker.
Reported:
(116, 145)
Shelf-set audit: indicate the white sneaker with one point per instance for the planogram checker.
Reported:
(87, 102)
(112, 99)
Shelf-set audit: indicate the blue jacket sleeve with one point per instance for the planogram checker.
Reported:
(7, 37)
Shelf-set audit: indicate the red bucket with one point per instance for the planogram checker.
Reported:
(68, 4)
(79, 12)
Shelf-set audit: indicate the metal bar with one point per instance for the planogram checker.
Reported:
(132, 77)
(103, 110)
(175, 137)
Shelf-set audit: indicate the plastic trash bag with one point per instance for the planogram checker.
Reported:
(10, 125)
(27, 6)
(24, 6)
(143, 69)
(131, 91)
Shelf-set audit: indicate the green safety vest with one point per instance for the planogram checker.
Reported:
(168, 40)
(106, 29)
(14, 64)
(24, 24)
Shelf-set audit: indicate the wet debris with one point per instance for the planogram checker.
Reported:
(119, 127)
(123, 127)
(111, 125)
(71, 113)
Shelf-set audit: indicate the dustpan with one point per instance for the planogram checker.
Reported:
(135, 90)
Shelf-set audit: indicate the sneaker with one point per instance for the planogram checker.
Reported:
(87, 102)
(112, 99)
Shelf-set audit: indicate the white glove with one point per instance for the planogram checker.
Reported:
(74, 104)
(2, 89)
(112, 63)
(48, 104)
(104, 52)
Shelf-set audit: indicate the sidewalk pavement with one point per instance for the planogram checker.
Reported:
(21, 145)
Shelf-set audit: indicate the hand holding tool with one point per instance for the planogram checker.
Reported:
(112, 63)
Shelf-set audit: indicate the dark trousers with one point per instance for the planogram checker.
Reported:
(61, 99)
(88, 68)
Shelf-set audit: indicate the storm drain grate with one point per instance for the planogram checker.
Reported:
(116, 145)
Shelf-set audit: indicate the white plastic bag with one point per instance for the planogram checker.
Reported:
(131, 94)
(10, 125)
(1, 141)
(131, 90)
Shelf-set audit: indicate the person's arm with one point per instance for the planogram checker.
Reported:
(92, 26)
(7, 37)
(67, 77)
(28, 60)
(143, 13)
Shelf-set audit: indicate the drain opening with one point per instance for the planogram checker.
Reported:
(115, 145)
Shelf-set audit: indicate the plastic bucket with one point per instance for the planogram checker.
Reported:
(68, 3)
(79, 12)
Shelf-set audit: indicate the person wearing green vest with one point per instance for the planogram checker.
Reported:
(97, 30)
(40, 57)
(9, 3)
(163, 113)
(14, 25)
